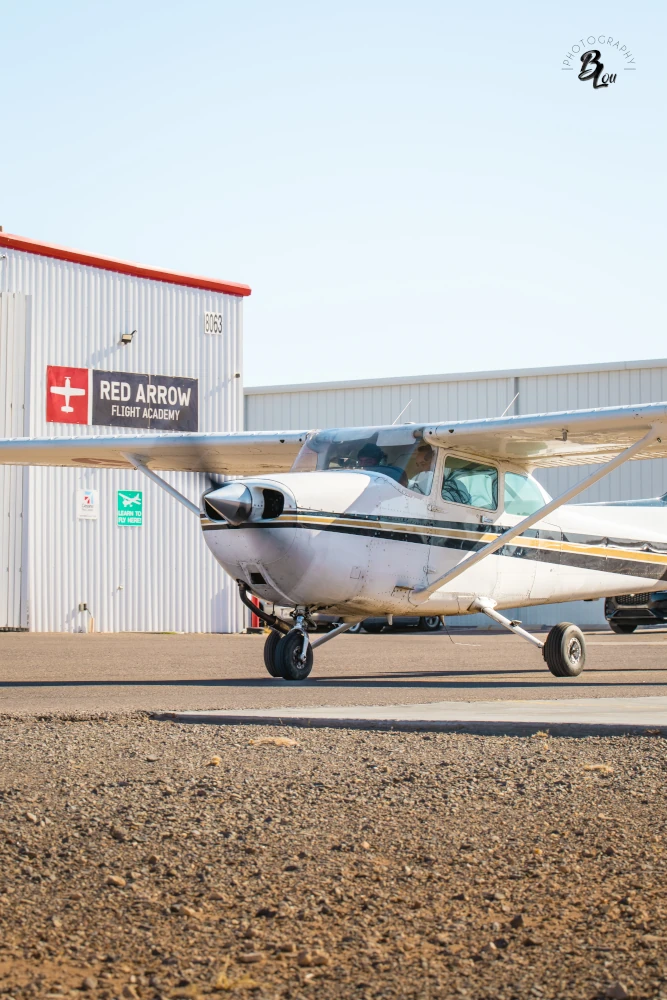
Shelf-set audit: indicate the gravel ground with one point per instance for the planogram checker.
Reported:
(143, 859)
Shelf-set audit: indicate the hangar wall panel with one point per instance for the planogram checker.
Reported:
(13, 606)
(160, 576)
(485, 394)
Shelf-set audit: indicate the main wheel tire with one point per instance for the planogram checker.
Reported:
(429, 623)
(565, 650)
(622, 628)
(270, 653)
(372, 629)
(288, 657)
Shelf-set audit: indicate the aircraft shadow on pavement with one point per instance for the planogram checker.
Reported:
(329, 682)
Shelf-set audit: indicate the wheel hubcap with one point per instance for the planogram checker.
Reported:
(574, 651)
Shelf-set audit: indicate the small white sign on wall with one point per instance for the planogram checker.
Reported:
(87, 504)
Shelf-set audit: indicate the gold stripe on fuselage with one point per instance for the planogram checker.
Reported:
(314, 520)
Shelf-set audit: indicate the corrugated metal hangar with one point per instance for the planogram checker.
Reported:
(430, 398)
(88, 344)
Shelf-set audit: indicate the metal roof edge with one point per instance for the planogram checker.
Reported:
(259, 390)
(25, 245)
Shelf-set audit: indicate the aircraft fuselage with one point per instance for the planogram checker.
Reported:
(359, 543)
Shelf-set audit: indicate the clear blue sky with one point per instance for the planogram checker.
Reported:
(407, 187)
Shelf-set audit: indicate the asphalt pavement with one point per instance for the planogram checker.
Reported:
(125, 672)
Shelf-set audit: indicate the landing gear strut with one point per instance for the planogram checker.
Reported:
(564, 650)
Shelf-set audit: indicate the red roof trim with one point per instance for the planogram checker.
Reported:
(120, 266)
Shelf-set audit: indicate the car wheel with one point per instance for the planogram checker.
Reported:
(373, 629)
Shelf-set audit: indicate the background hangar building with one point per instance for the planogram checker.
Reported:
(63, 314)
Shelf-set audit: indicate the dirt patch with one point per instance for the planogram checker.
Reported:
(142, 859)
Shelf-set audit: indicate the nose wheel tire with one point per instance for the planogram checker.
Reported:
(430, 623)
(565, 650)
(270, 653)
(288, 657)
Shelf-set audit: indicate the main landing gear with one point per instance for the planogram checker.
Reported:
(564, 650)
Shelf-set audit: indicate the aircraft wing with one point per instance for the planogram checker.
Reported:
(571, 437)
(243, 454)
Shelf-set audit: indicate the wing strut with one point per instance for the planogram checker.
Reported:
(532, 519)
(167, 487)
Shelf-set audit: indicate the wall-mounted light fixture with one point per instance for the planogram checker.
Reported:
(126, 338)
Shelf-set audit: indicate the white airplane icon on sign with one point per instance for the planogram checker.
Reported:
(130, 501)
(67, 391)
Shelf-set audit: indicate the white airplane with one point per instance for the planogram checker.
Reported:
(129, 501)
(67, 391)
(427, 519)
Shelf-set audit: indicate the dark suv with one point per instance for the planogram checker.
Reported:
(626, 612)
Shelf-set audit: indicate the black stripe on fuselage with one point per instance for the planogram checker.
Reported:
(580, 560)
(474, 527)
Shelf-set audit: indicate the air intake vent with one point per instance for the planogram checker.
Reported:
(257, 579)
(274, 504)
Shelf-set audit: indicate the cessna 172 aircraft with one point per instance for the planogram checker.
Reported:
(439, 519)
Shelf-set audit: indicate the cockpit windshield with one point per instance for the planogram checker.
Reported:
(391, 451)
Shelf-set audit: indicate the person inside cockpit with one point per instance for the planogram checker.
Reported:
(372, 458)
(424, 464)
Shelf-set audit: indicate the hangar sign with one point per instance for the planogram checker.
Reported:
(161, 402)
(121, 399)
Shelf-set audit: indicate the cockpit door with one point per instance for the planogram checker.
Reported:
(516, 566)
(528, 567)
(464, 511)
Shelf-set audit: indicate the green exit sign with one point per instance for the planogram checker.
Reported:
(130, 508)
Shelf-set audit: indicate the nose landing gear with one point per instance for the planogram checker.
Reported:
(294, 655)
(291, 655)
(273, 640)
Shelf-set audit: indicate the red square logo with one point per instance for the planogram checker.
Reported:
(66, 395)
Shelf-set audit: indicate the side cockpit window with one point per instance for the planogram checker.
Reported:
(522, 494)
(470, 483)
